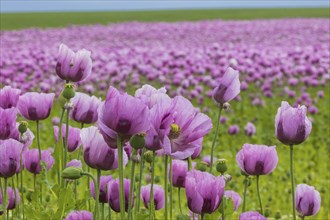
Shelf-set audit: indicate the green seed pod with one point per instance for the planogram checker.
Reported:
(72, 173)
(138, 141)
(202, 166)
(221, 166)
(68, 91)
(278, 215)
(22, 128)
(267, 212)
(148, 156)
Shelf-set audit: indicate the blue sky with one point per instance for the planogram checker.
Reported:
(110, 5)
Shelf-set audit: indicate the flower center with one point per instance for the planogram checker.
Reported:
(175, 131)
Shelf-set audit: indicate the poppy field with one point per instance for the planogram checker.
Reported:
(212, 119)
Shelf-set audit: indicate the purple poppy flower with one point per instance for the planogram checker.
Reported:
(74, 141)
(320, 94)
(228, 88)
(26, 139)
(73, 66)
(103, 197)
(84, 108)
(9, 97)
(233, 130)
(35, 106)
(180, 169)
(250, 129)
(223, 119)
(10, 152)
(204, 191)
(150, 95)
(251, 216)
(56, 120)
(11, 201)
(292, 126)
(122, 115)
(230, 194)
(161, 118)
(7, 122)
(207, 159)
(79, 215)
(313, 110)
(159, 196)
(113, 194)
(97, 154)
(308, 200)
(257, 159)
(30, 160)
(189, 128)
(74, 163)
(197, 152)
(112, 92)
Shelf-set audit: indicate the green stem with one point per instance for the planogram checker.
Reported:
(18, 209)
(132, 185)
(13, 186)
(223, 209)
(152, 203)
(97, 189)
(22, 194)
(34, 183)
(137, 209)
(66, 136)
(202, 216)
(109, 212)
(75, 189)
(102, 207)
(88, 184)
(4, 201)
(40, 161)
(171, 189)
(60, 139)
(121, 178)
(179, 197)
(215, 138)
(166, 185)
(189, 163)
(59, 157)
(258, 191)
(292, 183)
(97, 192)
(244, 194)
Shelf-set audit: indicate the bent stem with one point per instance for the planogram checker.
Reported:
(244, 194)
(292, 183)
(215, 138)
(151, 204)
(261, 210)
(121, 178)
(130, 202)
(166, 185)
(97, 192)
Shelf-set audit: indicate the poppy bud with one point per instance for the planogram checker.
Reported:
(221, 166)
(138, 141)
(72, 173)
(68, 91)
(148, 156)
(22, 128)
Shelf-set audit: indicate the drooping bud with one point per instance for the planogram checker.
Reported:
(138, 141)
(221, 166)
(148, 156)
(175, 131)
(72, 173)
(68, 91)
(22, 128)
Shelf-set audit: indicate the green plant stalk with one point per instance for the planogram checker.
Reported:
(189, 163)
(102, 207)
(121, 178)
(22, 194)
(15, 196)
(171, 189)
(97, 189)
(18, 209)
(223, 209)
(166, 185)
(140, 183)
(97, 193)
(292, 183)
(202, 216)
(59, 157)
(215, 138)
(88, 184)
(258, 191)
(179, 198)
(80, 152)
(151, 204)
(109, 212)
(244, 194)
(39, 149)
(4, 203)
(60, 139)
(132, 186)
(66, 137)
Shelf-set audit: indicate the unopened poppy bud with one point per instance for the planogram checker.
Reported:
(278, 215)
(221, 166)
(267, 212)
(22, 128)
(138, 141)
(68, 91)
(72, 173)
(202, 166)
(148, 156)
